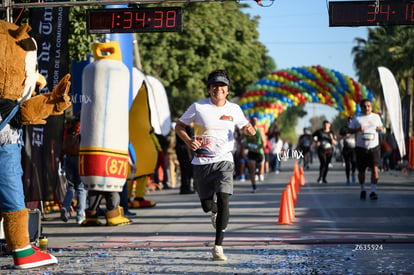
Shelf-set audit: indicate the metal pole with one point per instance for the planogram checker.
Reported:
(138, 63)
(104, 3)
(9, 11)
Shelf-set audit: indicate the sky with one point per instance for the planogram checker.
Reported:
(297, 33)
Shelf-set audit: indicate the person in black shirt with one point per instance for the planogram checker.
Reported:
(325, 142)
(184, 156)
(304, 145)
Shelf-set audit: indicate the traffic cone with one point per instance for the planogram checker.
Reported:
(292, 188)
(296, 169)
(295, 182)
(284, 215)
(291, 202)
(302, 176)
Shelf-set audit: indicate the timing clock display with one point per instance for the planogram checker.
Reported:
(367, 13)
(165, 19)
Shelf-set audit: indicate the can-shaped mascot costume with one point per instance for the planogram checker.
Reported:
(103, 155)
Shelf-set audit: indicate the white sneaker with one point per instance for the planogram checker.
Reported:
(214, 219)
(80, 217)
(218, 254)
(261, 177)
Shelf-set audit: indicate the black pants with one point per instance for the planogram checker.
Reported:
(350, 160)
(324, 159)
(221, 207)
(112, 199)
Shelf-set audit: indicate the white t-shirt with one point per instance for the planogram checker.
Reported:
(276, 146)
(369, 138)
(214, 126)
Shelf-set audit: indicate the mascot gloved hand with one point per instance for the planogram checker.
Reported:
(18, 79)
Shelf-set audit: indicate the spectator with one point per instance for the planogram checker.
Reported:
(185, 155)
(386, 152)
(276, 146)
(161, 169)
(75, 186)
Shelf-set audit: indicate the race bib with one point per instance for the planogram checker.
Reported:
(210, 146)
(253, 147)
(326, 145)
(350, 142)
(368, 136)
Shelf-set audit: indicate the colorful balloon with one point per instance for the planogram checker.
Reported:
(270, 96)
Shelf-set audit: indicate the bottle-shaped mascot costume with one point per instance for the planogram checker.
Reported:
(18, 77)
(103, 154)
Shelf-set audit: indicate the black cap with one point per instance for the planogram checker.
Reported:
(218, 79)
(218, 76)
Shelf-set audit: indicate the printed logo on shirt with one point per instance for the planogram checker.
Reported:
(224, 117)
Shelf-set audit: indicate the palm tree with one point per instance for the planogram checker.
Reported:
(370, 54)
(391, 47)
(402, 51)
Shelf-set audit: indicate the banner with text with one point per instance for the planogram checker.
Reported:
(43, 143)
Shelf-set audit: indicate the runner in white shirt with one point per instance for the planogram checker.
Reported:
(367, 128)
(214, 120)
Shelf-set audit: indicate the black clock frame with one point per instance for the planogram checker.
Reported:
(128, 20)
(370, 13)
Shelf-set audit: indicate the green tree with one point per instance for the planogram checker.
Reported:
(369, 54)
(288, 120)
(402, 51)
(316, 122)
(211, 39)
(391, 47)
(215, 35)
(79, 40)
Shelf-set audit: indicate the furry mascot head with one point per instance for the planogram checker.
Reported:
(18, 79)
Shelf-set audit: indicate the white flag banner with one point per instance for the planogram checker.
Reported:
(393, 102)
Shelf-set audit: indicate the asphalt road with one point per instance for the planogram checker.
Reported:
(333, 232)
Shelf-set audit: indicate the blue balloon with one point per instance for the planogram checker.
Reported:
(357, 109)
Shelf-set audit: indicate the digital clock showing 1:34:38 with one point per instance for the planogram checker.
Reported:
(125, 20)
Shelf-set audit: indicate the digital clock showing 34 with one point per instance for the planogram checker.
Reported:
(370, 13)
(126, 20)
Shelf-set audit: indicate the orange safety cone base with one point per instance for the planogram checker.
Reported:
(291, 202)
(284, 216)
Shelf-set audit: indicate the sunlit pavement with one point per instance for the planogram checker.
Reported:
(333, 232)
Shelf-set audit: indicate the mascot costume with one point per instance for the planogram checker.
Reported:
(18, 79)
(149, 115)
(103, 154)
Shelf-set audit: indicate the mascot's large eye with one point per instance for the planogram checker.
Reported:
(27, 44)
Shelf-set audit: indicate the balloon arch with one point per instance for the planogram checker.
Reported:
(269, 97)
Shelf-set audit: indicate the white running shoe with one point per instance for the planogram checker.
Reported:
(218, 254)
